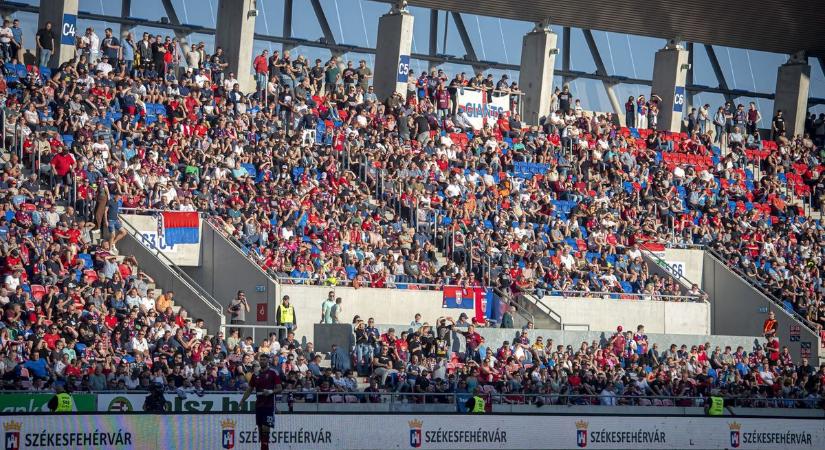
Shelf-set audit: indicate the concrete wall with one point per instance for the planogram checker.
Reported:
(234, 33)
(687, 261)
(668, 76)
(793, 81)
(738, 308)
(180, 254)
(224, 270)
(385, 305)
(536, 75)
(658, 317)
(186, 295)
(392, 49)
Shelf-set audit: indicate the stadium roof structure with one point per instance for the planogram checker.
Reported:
(777, 26)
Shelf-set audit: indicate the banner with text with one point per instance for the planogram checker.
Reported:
(479, 110)
(403, 431)
(11, 403)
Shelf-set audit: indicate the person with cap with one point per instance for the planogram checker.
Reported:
(285, 317)
(266, 384)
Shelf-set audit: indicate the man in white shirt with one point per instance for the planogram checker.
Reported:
(12, 280)
(148, 303)
(101, 148)
(567, 259)
(6, 36)
(93, 44)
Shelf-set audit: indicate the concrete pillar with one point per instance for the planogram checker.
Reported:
(392, 54)
(234, 34)
(670, 69)
(63, 16)
(792, 83)
(538, 56)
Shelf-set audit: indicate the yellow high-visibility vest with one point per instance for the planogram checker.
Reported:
(478, 406)
(717, 406)
(287, 314)
(64, 403)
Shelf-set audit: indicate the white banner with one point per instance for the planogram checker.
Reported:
(403, 431)
(147, 233)
(479, 110)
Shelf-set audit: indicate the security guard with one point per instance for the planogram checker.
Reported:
(285, 315)
(716, 407)
(476, 404)
(62, 402)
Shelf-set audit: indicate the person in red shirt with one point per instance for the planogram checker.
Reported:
(261, 65)
(51, 337)
(63, 164)
(266, 384)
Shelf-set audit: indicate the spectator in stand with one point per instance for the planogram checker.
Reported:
(770, 326)
(238, 308)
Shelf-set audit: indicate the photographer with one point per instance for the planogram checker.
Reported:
(237, 309)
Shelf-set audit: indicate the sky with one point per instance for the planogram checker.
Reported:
(355, 22)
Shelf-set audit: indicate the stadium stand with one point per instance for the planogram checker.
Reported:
(322, 184)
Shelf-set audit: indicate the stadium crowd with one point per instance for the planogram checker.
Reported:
(322, 183)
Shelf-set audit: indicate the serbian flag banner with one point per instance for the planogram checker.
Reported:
(456, 297)
(467, 298)
(180, 227)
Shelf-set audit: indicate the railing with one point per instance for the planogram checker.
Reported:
(339, 282)
(624, 296)
(184, 278)
(237, 245)
(521, 310)
(543, 307)
(307, 400)
(778, 302)
(255, 328)
(673, 273)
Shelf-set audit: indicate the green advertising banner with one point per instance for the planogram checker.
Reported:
(11, 403)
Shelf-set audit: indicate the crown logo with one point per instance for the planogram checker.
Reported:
(734, 426)
(12, 426)
(416, 424)
(581, 425)
(227, 423)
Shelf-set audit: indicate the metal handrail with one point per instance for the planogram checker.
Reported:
(186, 279)
(237, 246)
(664, 265)
(521, 310)
(778, 302)
(499, 398)
(592, 294)
(543, 306)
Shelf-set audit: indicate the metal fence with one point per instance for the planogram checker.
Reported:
(309, 400)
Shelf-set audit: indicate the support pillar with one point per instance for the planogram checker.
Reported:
(538, 56)
(234, 33)
(670, 69)
(392, 52)
(792, 84)
(63, 16)
(125, 11)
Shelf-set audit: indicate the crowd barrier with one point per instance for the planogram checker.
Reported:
(401, 431)
(230, 402)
